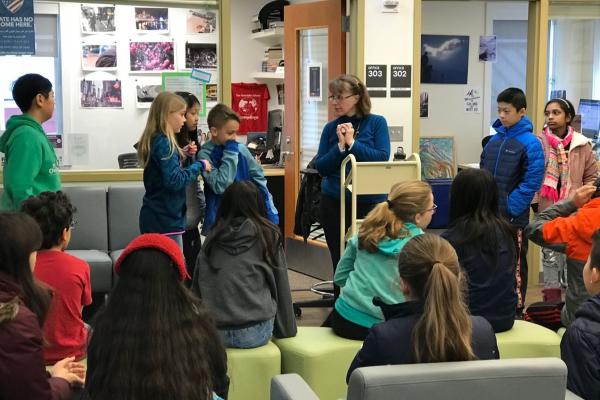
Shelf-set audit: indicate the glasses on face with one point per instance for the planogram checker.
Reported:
(337, 99)
(432, 209)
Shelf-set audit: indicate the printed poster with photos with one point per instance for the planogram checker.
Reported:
(146, 91)
(151, 56)
(101, 94)
(201, 21)
(152, 19)
(182, 82)
(99, 57)
(97, 18)
(200, 55)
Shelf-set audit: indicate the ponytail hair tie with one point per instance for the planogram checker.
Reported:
(389, 203)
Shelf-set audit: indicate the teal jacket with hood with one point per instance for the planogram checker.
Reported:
(363, 275)
(30, 166)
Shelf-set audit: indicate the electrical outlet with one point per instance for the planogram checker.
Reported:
(396, 133)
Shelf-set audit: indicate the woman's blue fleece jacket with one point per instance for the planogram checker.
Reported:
(515, 158)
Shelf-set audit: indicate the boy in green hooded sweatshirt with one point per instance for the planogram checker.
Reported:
(30, 166)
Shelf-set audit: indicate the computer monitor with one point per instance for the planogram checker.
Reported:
(590, 117)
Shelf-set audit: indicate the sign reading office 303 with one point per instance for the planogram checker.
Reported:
(17, 35)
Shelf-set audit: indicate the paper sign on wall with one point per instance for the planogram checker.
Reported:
(314, 71)
(472, 100)
(17, 35)
(376, 79)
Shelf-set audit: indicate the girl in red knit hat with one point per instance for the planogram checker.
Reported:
(154, 339)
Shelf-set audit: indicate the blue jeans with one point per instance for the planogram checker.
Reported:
(248, 338)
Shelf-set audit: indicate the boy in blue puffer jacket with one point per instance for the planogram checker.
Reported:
(515, 158)
(231, 162)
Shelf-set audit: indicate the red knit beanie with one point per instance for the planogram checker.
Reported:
(158, 242)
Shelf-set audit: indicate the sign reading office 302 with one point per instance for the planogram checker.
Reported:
(17, 35)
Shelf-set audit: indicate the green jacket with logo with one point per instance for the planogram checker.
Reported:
(30, 165)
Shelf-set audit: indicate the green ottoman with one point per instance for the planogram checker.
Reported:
(561, 331)
(321, 358)
(526, 340)
(250, 371)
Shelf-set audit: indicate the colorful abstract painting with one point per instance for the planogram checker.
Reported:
(437, 157)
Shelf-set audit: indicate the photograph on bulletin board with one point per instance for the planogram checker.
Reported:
(182, 82)
(96, 18)
(101, 94)
(152, 19)
(151, 56)
(98, 57)
(146, 92)
(437, 157)
(201, 21)
(444, 59)
(211, 92)
(200, 55)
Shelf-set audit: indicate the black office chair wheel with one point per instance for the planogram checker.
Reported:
(297, 311)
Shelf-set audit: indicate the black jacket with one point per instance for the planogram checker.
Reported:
(580, 350)
(309, 197)
(390, 342)
(491, 277)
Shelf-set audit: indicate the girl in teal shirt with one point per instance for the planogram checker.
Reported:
(368, 267)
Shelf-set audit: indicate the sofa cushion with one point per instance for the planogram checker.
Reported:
(100, 268)
(124, 203)
(91, 231)
(527, 339)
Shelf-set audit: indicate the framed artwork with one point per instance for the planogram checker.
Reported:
(438, 160)
(444, 59)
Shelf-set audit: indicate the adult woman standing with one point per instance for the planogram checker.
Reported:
(354, 131)
(570, 164)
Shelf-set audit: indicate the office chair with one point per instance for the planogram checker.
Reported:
(128, 160)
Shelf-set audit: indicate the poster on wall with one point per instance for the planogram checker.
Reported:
(424, 105)
(146, 91)
(101, 94)
(152, 19)
(472, 99)
(314, 73)
(487, 48)
(211, 92)
(437, 157)
(151, 56)
(200, 55)
(99, 57)
(182, 82)
(201, 21)
(17, 35)
(444, 59)
(96, 18)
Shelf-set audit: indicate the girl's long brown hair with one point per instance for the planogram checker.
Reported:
(429, 265)
(163, 105)
(405, 201)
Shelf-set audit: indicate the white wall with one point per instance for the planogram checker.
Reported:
(446, 114)
(389, 40)
(110, 132)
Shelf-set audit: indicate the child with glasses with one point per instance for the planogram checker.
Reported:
(369, 268)
(486, 250)
(68, 276)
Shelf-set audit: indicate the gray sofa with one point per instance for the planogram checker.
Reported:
(515, 379)
(107, 220)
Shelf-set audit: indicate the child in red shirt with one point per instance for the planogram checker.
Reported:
(68, 276)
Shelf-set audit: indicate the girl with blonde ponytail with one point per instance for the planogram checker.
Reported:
(434, 324)
(368, 267)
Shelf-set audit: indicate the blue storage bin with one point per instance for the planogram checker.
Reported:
(441, 197)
